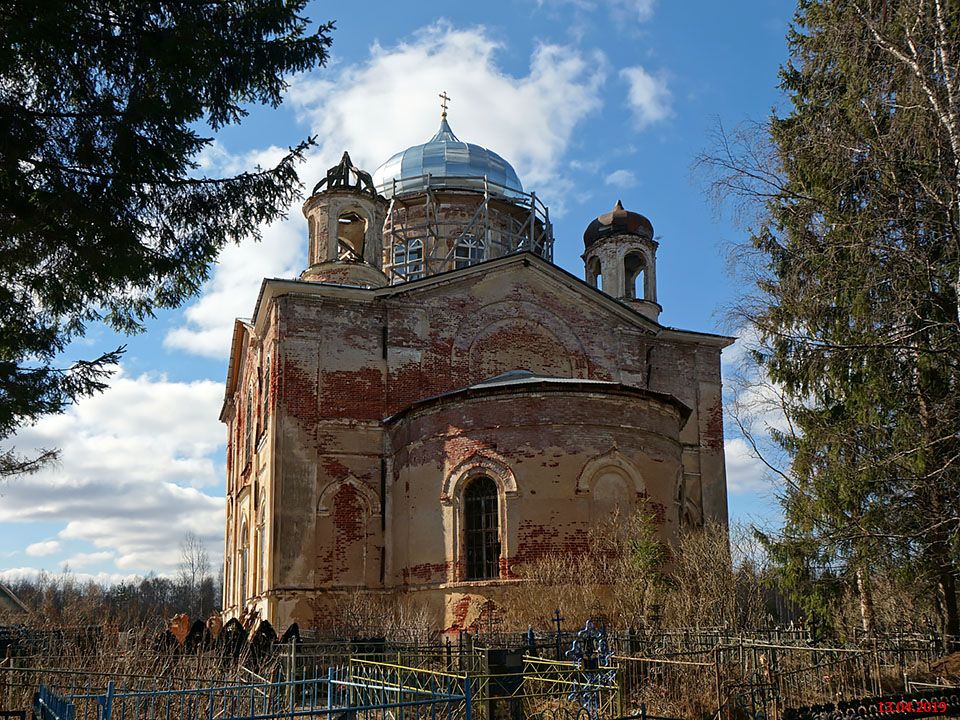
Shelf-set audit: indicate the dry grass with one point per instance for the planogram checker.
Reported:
(711, 578)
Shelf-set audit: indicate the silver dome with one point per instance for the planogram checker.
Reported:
(445, 161)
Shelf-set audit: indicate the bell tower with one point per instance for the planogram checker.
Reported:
(620, 258)
(345, 217)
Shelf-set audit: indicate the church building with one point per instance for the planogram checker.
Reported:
(434, 403)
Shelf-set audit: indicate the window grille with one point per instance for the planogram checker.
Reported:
(482, 529)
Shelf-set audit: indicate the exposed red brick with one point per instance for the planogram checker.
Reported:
(713, 433)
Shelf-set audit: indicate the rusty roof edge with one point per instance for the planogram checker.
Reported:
(540, 384)
(233, 366)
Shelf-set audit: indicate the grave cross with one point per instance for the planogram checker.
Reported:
(557, 620)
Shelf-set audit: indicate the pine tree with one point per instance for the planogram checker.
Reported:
(104, 213)
(857, 310)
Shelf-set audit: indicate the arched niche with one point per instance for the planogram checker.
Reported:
(518, 343)
(611, 494)
(370, 499)
(346, 520)
(611, 482)
(491, 324)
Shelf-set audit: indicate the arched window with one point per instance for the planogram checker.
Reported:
(468, 251)
(261, 551)
(481, 522)
(593, 272)
(408, 259)
(244, 563)
(265, 394)
(227, 567)
(634, 266)
(351, 233)
(250, 423)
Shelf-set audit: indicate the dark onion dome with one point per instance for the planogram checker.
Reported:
(446, 162)
(617, 222)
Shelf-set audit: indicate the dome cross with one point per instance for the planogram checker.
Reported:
(444, 99)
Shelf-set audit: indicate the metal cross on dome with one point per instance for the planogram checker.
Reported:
(444, 99)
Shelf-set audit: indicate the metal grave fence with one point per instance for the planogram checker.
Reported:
(339, 695)
(537, 685)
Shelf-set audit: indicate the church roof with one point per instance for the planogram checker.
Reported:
(11, 603)
(446, 161)
(522, 380)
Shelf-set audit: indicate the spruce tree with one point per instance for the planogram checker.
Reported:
(105, 214)
(857, 309)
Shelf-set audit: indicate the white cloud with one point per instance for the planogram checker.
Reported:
(389, 102)
(134, 462)
(648, 96)
(621, 179)
(84, 559)
(41, 549)
(631, 10)
(752, 405)
(236, 281)
(745, 472)
(753, 396)
(11, 575)
(642, 9)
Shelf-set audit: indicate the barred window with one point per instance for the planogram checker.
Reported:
(482, 529)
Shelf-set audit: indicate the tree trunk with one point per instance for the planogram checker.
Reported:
(867, 617)
(947, 590)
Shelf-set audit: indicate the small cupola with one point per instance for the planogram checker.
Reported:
(620, 258)
(345, 217)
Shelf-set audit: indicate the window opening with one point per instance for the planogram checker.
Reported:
(634, 266)
(261, 556)
(482, 529)
(351, 232)
(244, 561)
(250, 423)
(468, 251)
(265, 394)
(593, 272)
(227, 566)
(408, 259)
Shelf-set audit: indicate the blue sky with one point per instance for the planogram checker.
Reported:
(590, 100)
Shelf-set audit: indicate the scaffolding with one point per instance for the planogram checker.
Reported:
(453, 222)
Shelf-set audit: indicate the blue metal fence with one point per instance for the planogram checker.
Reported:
(47, 705)
(338, 696)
